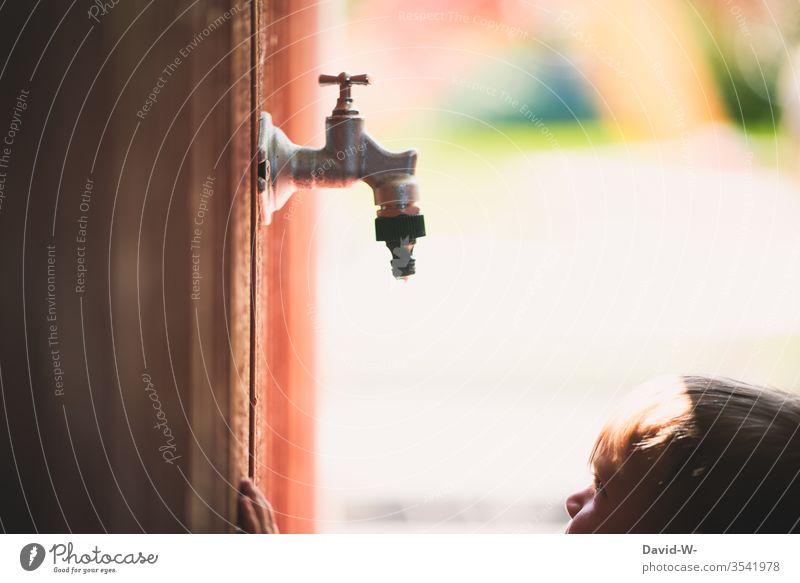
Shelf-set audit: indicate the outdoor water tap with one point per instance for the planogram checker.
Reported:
(349, 155)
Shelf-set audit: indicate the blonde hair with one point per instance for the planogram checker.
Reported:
(732, 451)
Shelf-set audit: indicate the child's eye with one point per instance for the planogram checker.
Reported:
(599, 487)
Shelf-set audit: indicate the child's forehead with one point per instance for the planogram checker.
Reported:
(601, 464)
(633, 467)
(608, 467)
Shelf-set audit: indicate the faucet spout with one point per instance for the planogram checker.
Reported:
(394, 186)
(350, 154)
(391, 177)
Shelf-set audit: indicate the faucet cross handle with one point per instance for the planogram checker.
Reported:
(345, 81)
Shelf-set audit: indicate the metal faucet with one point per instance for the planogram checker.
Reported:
(349, 155)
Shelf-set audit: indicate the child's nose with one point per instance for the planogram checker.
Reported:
(577, 501)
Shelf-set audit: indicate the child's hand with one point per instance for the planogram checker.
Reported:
(255, 512)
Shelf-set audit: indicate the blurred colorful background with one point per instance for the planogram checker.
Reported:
(611, 193)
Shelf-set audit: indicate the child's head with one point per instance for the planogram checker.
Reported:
(695, 454)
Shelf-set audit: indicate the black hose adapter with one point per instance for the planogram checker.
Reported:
(400, 234)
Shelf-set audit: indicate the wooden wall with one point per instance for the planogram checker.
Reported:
(151, 430)
(135, 278)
